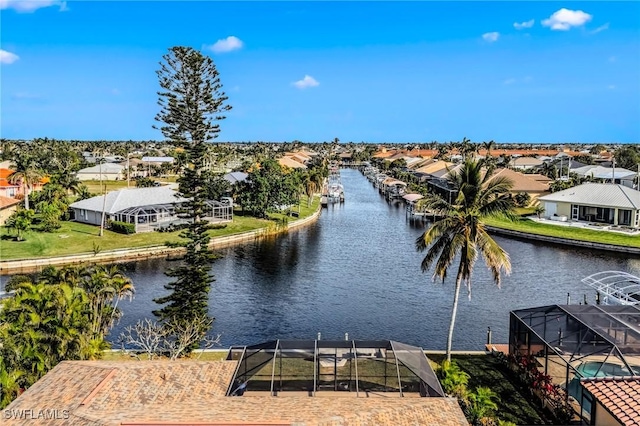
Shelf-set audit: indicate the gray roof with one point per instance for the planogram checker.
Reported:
(235, 177)
(599, 195)
(599, 172)
(106, 168)
(129, 197)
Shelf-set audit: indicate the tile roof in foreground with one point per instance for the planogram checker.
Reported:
(618, 395)
(189, 392)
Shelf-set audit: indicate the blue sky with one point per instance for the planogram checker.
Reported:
(377, 71)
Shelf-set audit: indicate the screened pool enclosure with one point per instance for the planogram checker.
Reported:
(571, 342)
(310, 366)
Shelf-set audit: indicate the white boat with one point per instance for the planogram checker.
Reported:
(615, 287)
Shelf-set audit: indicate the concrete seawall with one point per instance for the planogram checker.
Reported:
(134, 254)
(564, 241)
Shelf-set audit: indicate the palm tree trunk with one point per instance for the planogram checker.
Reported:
(26, 197)
(454, 311)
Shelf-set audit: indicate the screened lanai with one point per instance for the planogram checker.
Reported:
(148, 218)
(365, 368)
(615, 287)
(570, 342)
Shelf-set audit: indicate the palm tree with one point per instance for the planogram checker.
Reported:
(538, 209)
(489, 146)
(26, 173)
(461, 229)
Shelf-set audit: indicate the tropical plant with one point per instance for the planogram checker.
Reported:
(82, 192)
(144, 182)
(522, 199)
(538, 209)
(482, 404)
(20, 222)
(453, 379)
(461, 229)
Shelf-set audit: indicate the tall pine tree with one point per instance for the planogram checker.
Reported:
(192, 102)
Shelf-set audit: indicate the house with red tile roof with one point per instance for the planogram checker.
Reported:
(615, 401)
(13, 190)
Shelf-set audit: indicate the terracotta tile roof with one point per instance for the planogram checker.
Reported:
(618, 395)
(193, 392)
(4, 183)
(522, 182)
(5, 173)
(8, 202)
(539, 178)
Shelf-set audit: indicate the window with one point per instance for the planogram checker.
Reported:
(624, 217)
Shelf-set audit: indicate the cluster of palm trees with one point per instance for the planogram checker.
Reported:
(64, 314)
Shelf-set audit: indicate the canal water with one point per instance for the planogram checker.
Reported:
(356, 271)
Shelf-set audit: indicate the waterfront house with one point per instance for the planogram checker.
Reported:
(327, 383)
(615, 401)
(575, 344)
(147, 208)
(610, 204)
(106, 171)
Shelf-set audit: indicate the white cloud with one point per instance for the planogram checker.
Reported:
(611, 87)
(307, 81)
(28, 6)
(7, 57)
(526, 24)
(491, 37)
(226, 45)
(600, 28)
(564, 19)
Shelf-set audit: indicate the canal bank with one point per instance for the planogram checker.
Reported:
(132, 255)
(564, 241)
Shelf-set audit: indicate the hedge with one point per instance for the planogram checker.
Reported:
(123, 227)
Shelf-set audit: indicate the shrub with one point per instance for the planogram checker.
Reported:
(123, 227)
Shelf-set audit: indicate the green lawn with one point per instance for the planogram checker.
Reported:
(112, 185)
(572, 233)
(513, 404)
(75, 238)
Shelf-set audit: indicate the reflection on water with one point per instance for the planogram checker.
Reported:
(356, 270)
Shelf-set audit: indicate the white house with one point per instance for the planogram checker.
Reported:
(106, 171)
(612, 204)
(620, 175)
(147, 208)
